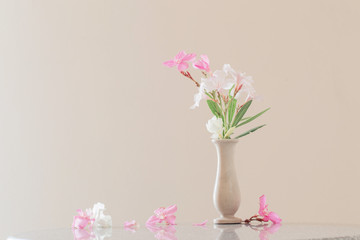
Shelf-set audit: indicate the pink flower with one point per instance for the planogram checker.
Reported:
(130, 224)
(163, 214)
(82, 220)
(202, 224)
(180, 60)
(263, 207)
(203, 63)
(274, 218)
(264, 212)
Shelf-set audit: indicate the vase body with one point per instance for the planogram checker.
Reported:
(226, 192)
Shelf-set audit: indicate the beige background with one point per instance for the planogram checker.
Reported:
(88, 113)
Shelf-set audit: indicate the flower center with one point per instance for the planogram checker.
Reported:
(160, 214)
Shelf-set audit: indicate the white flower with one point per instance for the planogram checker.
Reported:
(101, 220)
(241, 79)
(215, 126)
(199, 96)
(247, 88)
(229, 71)
(219, 81)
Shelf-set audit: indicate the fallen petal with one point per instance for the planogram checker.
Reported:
(153, 220)
(170, 219)
(128, 224)
(274, 218)
(171, 209)
(201, 224)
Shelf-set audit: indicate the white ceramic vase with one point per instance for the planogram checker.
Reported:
(226, 192)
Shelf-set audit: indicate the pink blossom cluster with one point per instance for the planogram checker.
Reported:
(266, 214)
(163, 214)
(82, 220)
(181, 61)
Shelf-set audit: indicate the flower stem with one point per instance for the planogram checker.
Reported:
(188, 75)
(254, 218)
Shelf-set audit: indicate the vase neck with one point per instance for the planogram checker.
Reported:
(225, 149)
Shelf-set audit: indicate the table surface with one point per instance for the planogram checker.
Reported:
(210, 231)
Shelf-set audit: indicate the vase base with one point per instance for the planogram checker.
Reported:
(227, 220)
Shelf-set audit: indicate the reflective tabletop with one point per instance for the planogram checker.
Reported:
(210, 231)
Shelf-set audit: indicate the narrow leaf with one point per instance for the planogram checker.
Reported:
(250, 131)
(241, 113)
(214, 108)
(245, 118)
(209, 95)
(253, 117)
(231, 90)
(231, 110)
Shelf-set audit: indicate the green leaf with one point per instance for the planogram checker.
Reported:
(253, 117)
(250, 131)
(214, 107)
(208, 95)
(241, 113)
(231, 90)
(245, 118)
(231, 110)
(229, 132)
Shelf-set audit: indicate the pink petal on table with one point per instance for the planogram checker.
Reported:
(128, 224)
(274, 218)
(171, 209)
(262, 201)
(153, 220)
(170, 219)
(80, 222)
(201, 224)
(130, 229)
(263, 207)
(159, 211)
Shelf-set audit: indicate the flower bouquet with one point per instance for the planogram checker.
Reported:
(224, 91)
(228, 94)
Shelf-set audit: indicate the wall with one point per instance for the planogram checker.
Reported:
(88, 112)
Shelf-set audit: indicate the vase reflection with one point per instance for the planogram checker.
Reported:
(228, 231)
